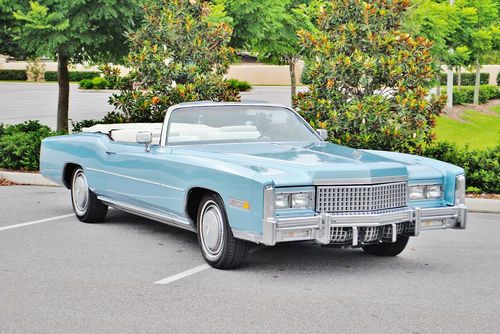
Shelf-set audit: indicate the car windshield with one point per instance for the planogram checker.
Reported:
(236, 123)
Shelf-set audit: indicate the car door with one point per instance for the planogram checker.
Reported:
(140, 178)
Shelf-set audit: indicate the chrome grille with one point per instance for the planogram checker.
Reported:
(340, 234)
(369, 234)
(361, 198)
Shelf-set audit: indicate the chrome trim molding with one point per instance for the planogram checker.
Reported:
(162, 217)
(134, 178)
(366, 180)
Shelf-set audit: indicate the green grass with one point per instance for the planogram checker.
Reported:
(478, 130)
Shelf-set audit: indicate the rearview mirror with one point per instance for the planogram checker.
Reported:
(322, 133)
(145, 137)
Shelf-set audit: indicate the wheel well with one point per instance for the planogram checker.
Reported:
(68, 173)
(193, 201)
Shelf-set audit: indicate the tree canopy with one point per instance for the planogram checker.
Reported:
(180, 53)
(369, 80)
(76, 31)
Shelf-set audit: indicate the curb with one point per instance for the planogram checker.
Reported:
(32, 179)
(483, 205)
(36, 179)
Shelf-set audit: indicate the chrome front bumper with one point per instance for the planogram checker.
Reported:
(319, 227)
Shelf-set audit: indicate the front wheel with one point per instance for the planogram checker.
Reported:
(387, 249)
(218, 246)
(86, 206)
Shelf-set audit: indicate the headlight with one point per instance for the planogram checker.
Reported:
(431, 191)
(417, 192)
(460, 190)
(294, 200)
(434, 191)
(282, 201)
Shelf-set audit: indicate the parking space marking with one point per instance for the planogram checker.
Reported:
(183, 274)
(35, 222)
(194, 270)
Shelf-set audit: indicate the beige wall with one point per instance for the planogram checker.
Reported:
(260, 74)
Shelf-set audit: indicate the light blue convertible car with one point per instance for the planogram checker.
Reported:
(243, 173)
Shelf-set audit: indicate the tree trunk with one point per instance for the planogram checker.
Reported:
(478, 82)
(293, 80)
(63, 100)
(459, 78)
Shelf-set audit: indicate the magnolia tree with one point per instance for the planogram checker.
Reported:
(369, 81)
(179, 54)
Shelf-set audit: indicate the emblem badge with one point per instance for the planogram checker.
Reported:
(357, 154)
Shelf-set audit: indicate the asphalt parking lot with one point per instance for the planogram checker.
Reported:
(22, 101)
(63, 276)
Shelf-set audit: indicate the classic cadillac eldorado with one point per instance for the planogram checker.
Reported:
(243, 173)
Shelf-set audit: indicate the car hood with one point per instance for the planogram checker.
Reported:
(299, 163)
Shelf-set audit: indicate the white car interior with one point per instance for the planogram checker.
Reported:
(178, 132)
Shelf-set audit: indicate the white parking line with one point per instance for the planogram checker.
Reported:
(183, 274)
(35, 222)
(193, 271)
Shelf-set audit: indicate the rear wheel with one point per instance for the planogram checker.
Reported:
(387, 249)
(86, 206)
(218, 245)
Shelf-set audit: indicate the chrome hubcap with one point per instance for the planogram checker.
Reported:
(212, 230)
(80, 193)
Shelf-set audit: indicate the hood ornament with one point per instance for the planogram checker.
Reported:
(357, 154)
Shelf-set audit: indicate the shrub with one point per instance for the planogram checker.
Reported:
(468, 79)
(369, 81)
(20, 145)
(86, 123)
(35, 70)
(99, 83)
(466, 94)
(482, 167)
(73, 75)
(86, 84)
(241, 86)
(166, 69)
(498, 78)
(13, 75)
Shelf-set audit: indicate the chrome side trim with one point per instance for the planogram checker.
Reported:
(134, 178)
(165, 218)
(366, 180)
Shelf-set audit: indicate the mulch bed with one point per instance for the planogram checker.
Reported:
(4, 182)
(486, 196)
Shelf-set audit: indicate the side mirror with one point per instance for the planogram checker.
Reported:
(145, 138)
(322, 133)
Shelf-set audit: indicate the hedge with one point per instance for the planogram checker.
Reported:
(73, 75)
(468, 79)
(20, 145)
(482, 167)
(13, 75)
(49, 75)
(466, 94)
